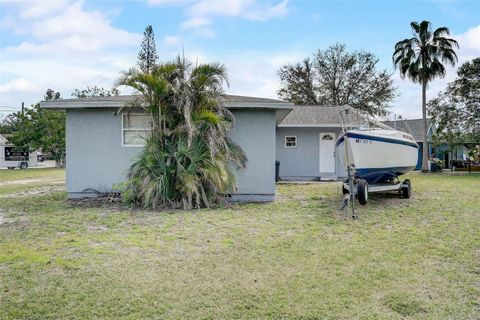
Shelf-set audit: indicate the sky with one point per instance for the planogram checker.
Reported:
(66, 45)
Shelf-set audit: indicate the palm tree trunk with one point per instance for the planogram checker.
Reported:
(424, 131)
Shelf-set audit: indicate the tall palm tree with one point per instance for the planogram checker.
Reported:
(422, 58)
(188, 159)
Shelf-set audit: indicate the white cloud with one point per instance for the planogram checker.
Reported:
(172, 40)
(18, 85)
(248, 9)
(65, 46)
(36, 9)
(253, 73)
(266, 12)
(469, 44)
(73, 29)
(205, 32)
(165, 2)
(200, 13)
(201, 27)
(196, 22)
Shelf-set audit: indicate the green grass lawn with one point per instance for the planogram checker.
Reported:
(17, 174)
(297, 258)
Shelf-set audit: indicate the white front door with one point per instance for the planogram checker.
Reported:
(327, 152)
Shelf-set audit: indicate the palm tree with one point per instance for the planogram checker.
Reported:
(188, 159)
(422, 58)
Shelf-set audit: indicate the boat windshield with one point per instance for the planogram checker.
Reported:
(356, 119)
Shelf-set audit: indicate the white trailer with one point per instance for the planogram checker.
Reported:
(11, 158)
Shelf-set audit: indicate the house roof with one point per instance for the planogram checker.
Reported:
(413, 126)
(321, 116)
(232, 102)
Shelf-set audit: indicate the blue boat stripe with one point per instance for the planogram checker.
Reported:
(374, 175)
(339, 141)
(375, 138)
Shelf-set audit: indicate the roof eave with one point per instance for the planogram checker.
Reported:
(262, 105)
(62, 105)
(310, 125)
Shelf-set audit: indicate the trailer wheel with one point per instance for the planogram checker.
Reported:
(23, 165)
(362, 191)
(407, 191)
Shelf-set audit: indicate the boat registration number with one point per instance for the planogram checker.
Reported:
(364, 141)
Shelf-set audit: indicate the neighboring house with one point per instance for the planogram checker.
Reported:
(101, 144)
(448, 153)
(306, 142)
(415, 128)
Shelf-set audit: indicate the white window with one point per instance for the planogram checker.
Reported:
(135, 128)
(290, 141)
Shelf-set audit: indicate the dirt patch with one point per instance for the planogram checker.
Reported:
(35, 192)
(20, 182)
(19, 221)
(99, 202)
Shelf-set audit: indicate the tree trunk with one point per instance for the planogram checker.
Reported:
(425, 128)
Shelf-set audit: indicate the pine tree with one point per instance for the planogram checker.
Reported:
(147, 57)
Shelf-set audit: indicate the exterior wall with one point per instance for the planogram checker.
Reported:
(96, 159)
(255, 132)
(303, 162)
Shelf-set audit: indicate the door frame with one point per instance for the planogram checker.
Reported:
(320, 135)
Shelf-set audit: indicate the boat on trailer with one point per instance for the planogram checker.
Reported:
(374, 158)
(378, 155)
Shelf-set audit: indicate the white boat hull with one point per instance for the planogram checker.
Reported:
(378, 155)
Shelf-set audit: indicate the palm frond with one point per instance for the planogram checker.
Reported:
(188, 159)
(440, 32)
(418, 58)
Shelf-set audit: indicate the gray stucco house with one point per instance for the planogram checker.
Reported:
(101, 143)
(306, 142)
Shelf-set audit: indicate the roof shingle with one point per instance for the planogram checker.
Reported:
(413, 126)
(321, 115)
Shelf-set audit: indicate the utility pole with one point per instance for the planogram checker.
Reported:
(23, 107)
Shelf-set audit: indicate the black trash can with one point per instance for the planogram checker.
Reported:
(277, 171)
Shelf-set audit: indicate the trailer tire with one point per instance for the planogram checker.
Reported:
(23, 165)
(362, 191)
(407, 191)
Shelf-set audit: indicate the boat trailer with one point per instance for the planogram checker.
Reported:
(355, 188)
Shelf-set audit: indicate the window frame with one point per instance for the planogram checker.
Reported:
(290, 147)
(132, 129)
